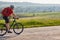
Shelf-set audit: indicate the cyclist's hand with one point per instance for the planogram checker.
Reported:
(15, 17)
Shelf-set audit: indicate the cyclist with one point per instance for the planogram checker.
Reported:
(6, 12)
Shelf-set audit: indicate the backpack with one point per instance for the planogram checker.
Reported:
(7, 11)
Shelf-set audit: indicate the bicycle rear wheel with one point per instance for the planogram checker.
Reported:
(18, 28)
(2, 30)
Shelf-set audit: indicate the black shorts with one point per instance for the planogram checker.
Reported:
(6, 19)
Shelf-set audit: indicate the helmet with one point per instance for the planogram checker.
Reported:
(12, 6)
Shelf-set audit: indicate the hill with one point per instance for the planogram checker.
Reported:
(23, 7)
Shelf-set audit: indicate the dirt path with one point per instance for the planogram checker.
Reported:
(41, 33)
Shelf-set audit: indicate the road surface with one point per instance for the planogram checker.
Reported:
(40, 33)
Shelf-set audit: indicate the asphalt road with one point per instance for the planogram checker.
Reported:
(40, 33)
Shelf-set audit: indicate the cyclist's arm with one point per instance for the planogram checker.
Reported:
(14, 15)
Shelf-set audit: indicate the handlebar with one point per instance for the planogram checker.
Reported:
(15, 18)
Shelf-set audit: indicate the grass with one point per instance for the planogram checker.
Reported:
(40, 19)
(40, 22)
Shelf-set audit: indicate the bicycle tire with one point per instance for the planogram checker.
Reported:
(2, 29)
(19, 27)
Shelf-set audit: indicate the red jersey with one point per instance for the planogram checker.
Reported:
(7, 11)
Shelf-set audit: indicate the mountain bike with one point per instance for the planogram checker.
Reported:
(17, 28)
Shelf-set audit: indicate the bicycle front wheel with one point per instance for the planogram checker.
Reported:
(2, 30)
(18, 28)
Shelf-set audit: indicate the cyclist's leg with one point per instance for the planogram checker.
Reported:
(7, 24)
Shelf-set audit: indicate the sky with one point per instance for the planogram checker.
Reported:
(35, 1)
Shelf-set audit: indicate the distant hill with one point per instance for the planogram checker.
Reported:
(21, 7)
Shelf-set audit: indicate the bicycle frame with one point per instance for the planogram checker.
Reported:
(14, 21)
(13, 25)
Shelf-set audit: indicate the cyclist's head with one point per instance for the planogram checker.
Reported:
(12, 6)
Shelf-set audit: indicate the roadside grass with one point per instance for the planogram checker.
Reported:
(40, 20)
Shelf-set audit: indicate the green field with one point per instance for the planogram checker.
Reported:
(39, 19)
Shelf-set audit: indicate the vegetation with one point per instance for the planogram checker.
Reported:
(22, 7)
(39, 19)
